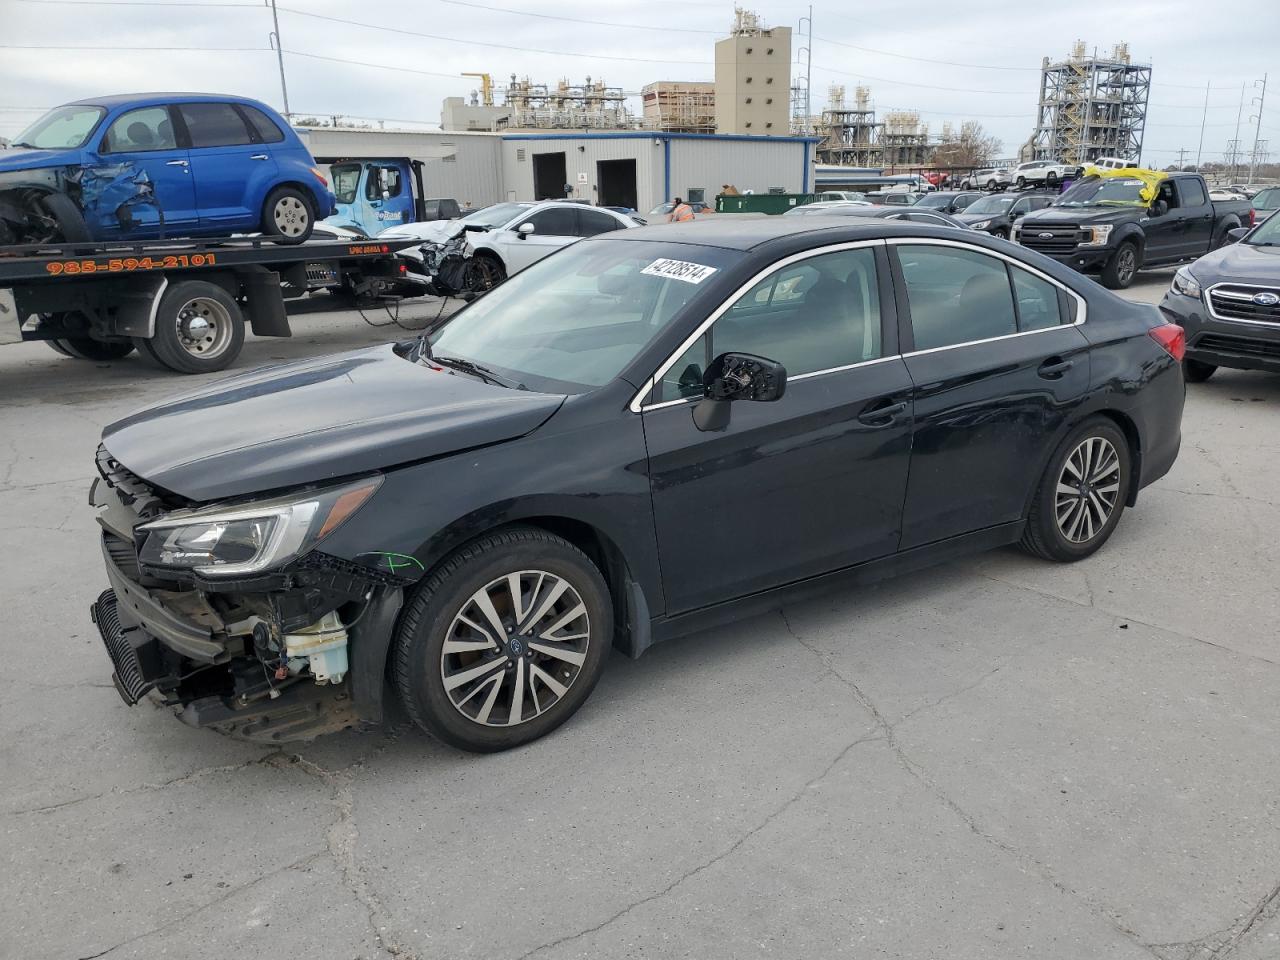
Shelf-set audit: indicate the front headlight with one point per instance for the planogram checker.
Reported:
(980, 225)
(1185, 284)
(253, 537)
(1099, 236)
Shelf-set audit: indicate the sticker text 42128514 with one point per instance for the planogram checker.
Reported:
(69, 268)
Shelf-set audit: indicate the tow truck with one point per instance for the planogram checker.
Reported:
(181, 303)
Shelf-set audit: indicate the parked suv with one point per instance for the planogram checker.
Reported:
(1046, 172)
(989, 179)
(159, 165)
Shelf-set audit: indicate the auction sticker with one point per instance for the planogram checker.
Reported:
(679, 270)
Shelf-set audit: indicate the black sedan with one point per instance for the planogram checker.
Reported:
(949, 201)
(912, 214)
(996, 212)
(1229, 303)
(644, 434)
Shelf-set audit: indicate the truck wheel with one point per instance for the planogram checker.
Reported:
(503, 642)
(1197, 371)
(1022, 182)
(199, 328)
(1050, 179)
(84, 348)
(60, 219)
(287, 216)
(1122, 267)
(1220, 238)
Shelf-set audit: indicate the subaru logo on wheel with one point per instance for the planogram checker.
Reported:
(1266, 299)
(1045, 236)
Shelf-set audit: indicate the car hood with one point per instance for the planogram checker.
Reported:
(965, 217)
(316, 420)
(1241, 262)
(1050, 216)
(23, 158)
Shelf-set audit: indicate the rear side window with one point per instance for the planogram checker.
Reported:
(214, 125)
(147, 128)
(263, 126)
(1038, 307)
(592, 222)
(956, 296)
(1192, 193)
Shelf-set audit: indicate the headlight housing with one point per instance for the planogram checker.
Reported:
(1097, 236)
(1186, 284)
(249, 538)
(980, 225)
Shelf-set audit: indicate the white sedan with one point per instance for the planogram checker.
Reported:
(516, 234)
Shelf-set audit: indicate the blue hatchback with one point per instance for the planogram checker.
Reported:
(160, 165)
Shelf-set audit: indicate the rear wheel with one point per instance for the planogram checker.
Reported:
(287, 216)
(1122, 267)
(1197, 371)
(991, 184)
(199, 329)
(1022, 182)
(504, 641)
(1082, 493)
(84, 348)
(1051, 179)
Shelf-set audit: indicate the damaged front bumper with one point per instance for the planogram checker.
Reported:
(289, 655)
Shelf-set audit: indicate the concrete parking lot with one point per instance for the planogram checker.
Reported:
(996, 758)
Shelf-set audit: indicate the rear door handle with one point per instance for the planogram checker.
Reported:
(1055, 367)
(882, 416)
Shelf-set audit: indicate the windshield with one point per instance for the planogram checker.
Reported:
(1267, 233)
(496, 215)
(575, 320)
(346, 179)
(992, 205)
(1104, 191)
(62, 128)
(1267, 199)
(934, 200)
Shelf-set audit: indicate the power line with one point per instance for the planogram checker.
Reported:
(22, 46)
(141, 3)
(375, 66)
(598, 23)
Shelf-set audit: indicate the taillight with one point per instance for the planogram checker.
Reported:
(1253, 217)
(1172, 337)
(319, 176)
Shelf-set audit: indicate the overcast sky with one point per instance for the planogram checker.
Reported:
(632, 43)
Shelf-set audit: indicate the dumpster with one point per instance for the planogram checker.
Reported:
(761, 202)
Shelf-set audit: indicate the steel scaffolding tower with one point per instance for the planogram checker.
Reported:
(1091, 107)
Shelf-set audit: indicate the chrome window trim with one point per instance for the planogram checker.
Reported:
(637, 407)
(1208, 303)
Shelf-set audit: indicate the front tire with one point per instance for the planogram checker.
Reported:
(288, 216)
(1022, 182)
(1082, 493)
(1122, 267)
(504, 641)
(56, 219)
(1197, 371)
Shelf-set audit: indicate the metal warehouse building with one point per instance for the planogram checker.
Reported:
(623, 168)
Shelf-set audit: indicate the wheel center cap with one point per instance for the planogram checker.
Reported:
(516, 646)
(196, 327)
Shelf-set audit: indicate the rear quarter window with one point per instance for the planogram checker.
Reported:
(266, 128)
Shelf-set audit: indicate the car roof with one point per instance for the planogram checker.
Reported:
(746, 231)
(143, 99)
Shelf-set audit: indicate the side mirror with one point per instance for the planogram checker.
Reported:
(1236, 234)
(524, 230)
(737, 376)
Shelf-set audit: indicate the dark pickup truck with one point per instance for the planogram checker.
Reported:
(1104, 224)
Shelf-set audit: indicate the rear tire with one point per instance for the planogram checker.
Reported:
(1082, 494)
(1021, 182)
(199, 328)
(1197, 371)
(288, 216)
(1051, 180)
(83, 348)
(468, 696)
(1122, 267)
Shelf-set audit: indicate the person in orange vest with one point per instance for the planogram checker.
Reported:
(680, 211)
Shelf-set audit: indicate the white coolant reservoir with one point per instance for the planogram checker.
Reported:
(324, 645)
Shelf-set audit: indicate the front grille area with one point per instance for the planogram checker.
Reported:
(131, 683)
(1057, 239)
(146, 500)
(122, 554)
(1238, 303)
(1242, 346)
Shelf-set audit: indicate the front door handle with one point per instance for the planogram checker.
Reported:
(176, 163)
(259, 156)
(1055, 367)
(882, 416)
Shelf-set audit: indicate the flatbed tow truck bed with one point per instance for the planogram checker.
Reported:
(182, 303)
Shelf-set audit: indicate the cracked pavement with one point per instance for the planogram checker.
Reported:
(994, 758)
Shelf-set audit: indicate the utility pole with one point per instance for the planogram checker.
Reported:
(1257, 130)
(1203, 117)
(275, 42)
(808, 67)
(1235, 144)
(1182, 152)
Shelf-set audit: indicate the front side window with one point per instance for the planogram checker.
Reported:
(383, 183)
(555, 222)
(144, 129)
(63, 128)
(956, 296)
(346, 181)
(573, 321)
(214, 125)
